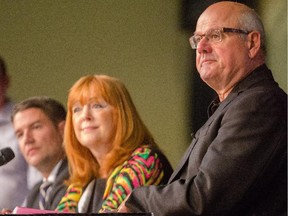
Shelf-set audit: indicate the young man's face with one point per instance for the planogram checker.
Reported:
(39, 140)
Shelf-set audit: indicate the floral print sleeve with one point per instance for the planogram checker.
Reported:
(69, 202)
(143, 168)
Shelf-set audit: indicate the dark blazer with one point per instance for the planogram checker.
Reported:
(57, 192)
(237, 161)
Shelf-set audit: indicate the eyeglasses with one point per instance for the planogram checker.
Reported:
(214, 35)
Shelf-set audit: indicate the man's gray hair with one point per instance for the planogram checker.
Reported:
(249, 20)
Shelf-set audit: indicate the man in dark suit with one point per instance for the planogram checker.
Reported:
(39, 126)
(237, 161)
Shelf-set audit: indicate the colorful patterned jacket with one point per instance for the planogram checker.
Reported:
(144, 167)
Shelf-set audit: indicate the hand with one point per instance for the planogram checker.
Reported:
(122, 208)
(6, 211)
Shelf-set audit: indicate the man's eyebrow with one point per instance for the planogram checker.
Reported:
(31, 124)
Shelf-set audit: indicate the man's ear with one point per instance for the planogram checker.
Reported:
(61, 127)
(254, 43)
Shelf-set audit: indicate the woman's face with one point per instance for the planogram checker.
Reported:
(95, 125)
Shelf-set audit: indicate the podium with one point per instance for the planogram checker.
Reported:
(86, 214)
(38, 212)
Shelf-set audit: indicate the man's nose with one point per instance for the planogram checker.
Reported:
(27, 137)
(204, 45)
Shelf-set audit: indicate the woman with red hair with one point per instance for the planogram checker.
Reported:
(109, 149)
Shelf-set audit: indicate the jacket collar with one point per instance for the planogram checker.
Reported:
(258, 75)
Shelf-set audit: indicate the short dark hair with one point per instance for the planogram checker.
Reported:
(53, 109)
(3, 71)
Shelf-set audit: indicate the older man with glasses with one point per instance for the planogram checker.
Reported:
(236, 164)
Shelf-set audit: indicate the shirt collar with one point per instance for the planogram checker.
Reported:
(53, 174)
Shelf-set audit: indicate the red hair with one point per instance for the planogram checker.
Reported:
(131, 132)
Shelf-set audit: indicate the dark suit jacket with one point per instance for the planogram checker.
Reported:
(57, 192)
(237, 161)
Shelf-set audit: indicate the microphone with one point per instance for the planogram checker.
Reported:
(6, 155)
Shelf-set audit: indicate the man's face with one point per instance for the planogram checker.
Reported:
(39, 140)
(220, 64)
